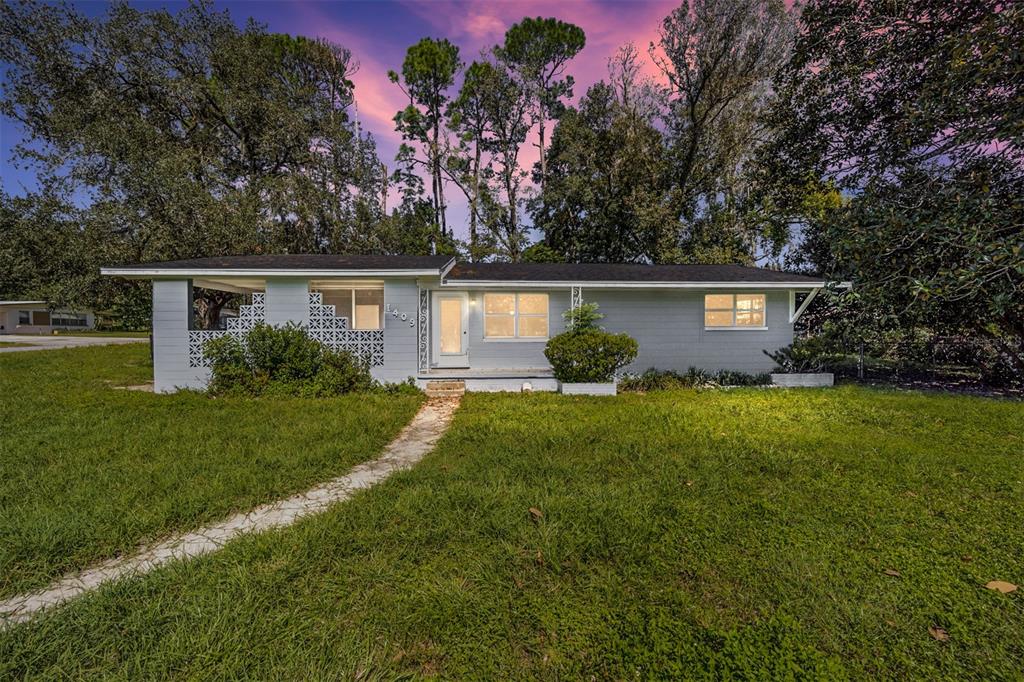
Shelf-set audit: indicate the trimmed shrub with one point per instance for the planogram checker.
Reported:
(589, 355)
(586, 353)
(283, 361)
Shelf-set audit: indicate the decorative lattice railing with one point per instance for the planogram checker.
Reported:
(324, 326)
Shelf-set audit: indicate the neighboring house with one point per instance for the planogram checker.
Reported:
(429, 317)
(36, 317)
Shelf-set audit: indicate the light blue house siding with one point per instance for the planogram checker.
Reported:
(668, 325)
(515, 353)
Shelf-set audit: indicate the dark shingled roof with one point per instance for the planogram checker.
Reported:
(619, 272)
(300, 262)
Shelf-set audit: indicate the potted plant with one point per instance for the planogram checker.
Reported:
(585, 357)
(800, 364)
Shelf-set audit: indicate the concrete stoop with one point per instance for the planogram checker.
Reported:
(445, 389)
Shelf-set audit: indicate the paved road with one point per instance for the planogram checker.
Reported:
(51, 342)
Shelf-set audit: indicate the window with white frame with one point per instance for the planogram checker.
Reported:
(364, 306)
(740, 311)
(516, 316)
(23, 317)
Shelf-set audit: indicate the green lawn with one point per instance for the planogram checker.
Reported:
(719, 534)
(87, 471)
(13, 344)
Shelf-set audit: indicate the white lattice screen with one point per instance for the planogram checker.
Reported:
(332, 331)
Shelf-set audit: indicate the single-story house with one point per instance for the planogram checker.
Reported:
(430, 317)
(36, 317)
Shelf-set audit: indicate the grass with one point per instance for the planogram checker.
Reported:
(717, 534)
(13, 344)
(89, 472)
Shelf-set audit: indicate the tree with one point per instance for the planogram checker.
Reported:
(609, 195)
(189, 136)
(910, 110)
(873, 88)
(507, 107)
(428, 71)
(719, 59)
(468, 117)
(537, 51)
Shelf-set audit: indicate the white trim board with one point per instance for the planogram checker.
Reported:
(183, 273)
(505, 284)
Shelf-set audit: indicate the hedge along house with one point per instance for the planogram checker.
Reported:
(429, 317)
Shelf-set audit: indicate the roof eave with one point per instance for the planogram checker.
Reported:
(608, 284)
(159, 273)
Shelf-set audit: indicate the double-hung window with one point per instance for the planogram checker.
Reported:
(516, 316)
(734, 311)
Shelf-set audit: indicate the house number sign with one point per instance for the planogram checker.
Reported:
(398, 315)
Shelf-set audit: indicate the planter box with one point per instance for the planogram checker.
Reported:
(587, 389)
(807, 380)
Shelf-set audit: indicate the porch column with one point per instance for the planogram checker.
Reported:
(575, 297)
(423, 330)
(287, 300)
(172, 313)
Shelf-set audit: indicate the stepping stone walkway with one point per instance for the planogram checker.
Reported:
(416, 440)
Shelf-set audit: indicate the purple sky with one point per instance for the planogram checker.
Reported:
(378, 34)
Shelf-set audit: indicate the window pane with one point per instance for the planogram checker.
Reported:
(717, 318)
(749, 318)
(341, 299)
(749, 301)
(533, 304)
(500, 304)
(533, 326)
(369, 308)
(718, 302)
(451, 325)
(23, 317)
(499, 326)
(367, 316)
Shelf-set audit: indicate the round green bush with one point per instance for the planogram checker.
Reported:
(589, 355)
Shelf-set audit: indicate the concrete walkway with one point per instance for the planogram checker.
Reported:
(416, 440)
(42, 342)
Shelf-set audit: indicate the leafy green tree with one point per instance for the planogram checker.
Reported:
(910, 109)
(719, 60)
(189, 136)
(428, 72)
(872, 88)
(507, 107)
(468, 166)
(608, 195)
(538, 51)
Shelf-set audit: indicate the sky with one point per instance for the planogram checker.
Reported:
(378, 33)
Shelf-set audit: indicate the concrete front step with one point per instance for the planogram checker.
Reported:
(445, 389)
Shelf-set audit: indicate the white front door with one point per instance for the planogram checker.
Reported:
(451, 329)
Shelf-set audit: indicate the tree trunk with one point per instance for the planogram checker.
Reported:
(543, 159)
(474, 203)
(210, 304)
